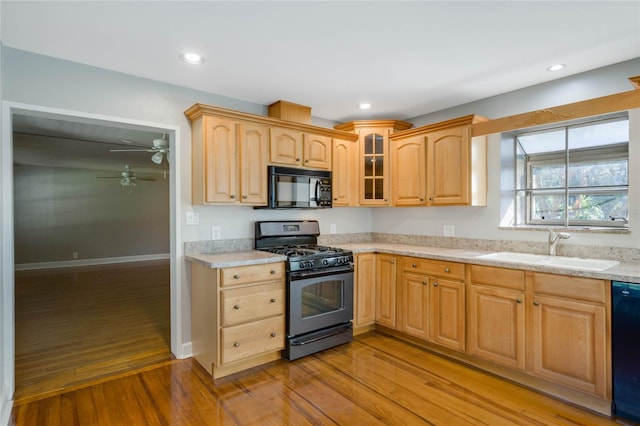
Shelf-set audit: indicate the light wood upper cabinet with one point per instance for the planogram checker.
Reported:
(299, 149)
(496, 315)
(317, 151)
(365, 290)
(408, 171)
(229, 164)
(456, 164)
(285, 147)
(386, 290)
(374, 170)
(449, 167)
(345, 173)
(254, 157)
(568, 331)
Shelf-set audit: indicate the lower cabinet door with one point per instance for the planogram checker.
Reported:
(497, 325)
(446, 313)
(414, 305)
(246, 340)
(569, 343)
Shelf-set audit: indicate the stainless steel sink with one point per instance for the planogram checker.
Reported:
(559, 261)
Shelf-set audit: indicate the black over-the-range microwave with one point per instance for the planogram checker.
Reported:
(291, 188)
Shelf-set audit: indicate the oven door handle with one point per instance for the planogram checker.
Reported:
(324, 336)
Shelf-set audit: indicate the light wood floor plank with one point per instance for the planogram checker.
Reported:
(75, 325)
(375, 380)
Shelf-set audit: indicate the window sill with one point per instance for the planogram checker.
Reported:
(574, 229)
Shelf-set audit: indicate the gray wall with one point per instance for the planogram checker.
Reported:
(59, 210)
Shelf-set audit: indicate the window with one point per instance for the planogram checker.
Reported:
(574, 175)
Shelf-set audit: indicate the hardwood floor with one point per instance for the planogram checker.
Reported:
(74, 325)
(374, 380)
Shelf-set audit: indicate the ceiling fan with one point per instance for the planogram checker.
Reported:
(127, 178)
(160, 150)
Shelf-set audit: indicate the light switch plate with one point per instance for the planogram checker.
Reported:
(332, 229)
(193, 218)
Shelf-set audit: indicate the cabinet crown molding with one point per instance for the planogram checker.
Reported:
(396, 125)
(198, 110)
(455, 122)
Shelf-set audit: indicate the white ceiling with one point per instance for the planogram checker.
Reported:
(406, 58)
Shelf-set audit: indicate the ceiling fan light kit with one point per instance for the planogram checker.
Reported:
(160, 149)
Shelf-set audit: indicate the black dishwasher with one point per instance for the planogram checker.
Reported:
(626, 350)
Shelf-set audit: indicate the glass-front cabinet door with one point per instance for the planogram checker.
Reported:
(375, 168)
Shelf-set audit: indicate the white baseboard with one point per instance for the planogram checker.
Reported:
(6, 405)
(187, 351)
(89, 262)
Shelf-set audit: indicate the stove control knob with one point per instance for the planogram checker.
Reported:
(325, 262)
(302, 265)
(309, 264)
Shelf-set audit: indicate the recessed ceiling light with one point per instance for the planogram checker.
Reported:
(364, 105)
(556, 67)
(192, 58)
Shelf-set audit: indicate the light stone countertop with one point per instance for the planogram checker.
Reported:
(237, 258)
(629, 272)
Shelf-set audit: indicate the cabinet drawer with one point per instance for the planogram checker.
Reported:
(251, 274)
(242, 341)
(579, 288)
(244, 304)
(497, 277)
(436, 268)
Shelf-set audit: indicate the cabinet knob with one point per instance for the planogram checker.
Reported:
(435, 284)
(385, 200)
(236, 277)
(273, 300)
(297, 160)
(536, 303)
(424, 283)
(392, 262)
(273, 272)
(232, 196)
(518, 300)
(273, 334)
(306, 161)
(421, 199)
(236, 307)
(236, 344)
(335, 199)
(413, 265)
(244, 197)
(430, 198)
(447, 270)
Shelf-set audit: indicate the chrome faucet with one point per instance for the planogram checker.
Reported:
(553, 240)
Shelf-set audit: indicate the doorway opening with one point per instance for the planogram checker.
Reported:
(93, 248)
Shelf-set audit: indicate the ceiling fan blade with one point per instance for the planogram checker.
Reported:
(132, 150)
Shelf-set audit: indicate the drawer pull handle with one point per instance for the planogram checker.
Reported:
(273, 334)
(273, 272)
(413, 265)
(273, 300)
(236, 307)
(518, 300)
(447, 270)
(435, 284)
(236, 345)
(536, 303)
(236, 277)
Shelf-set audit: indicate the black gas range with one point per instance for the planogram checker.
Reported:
(319, 285)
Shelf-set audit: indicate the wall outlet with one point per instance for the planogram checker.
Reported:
(74, 255)
(448, 230)
(332, 229)
(193, 218)
(215, 232)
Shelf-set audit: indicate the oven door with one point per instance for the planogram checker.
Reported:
(317, 302)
